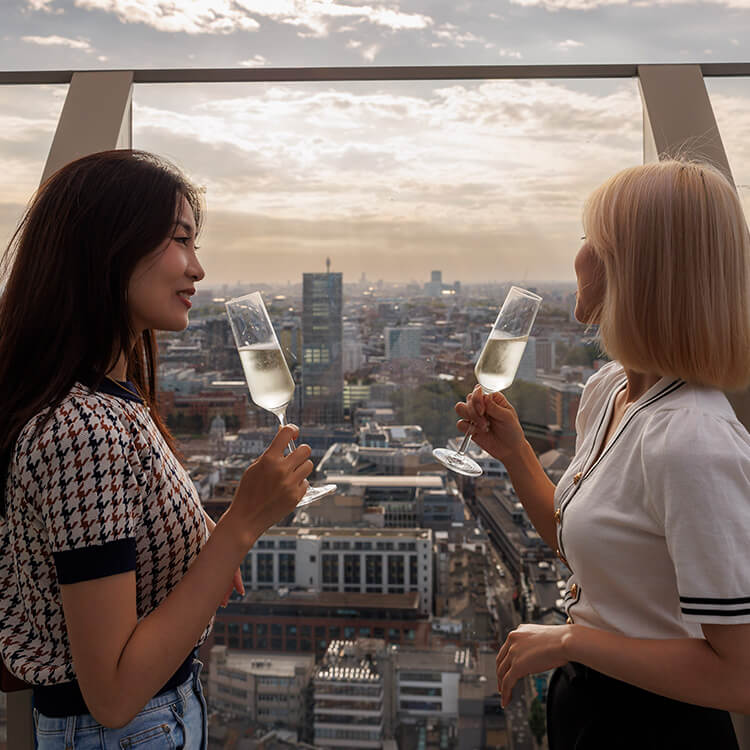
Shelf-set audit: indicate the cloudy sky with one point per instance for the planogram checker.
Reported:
(484, 180)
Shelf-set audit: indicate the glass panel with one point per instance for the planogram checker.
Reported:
(429, 199)
(393, 180)
(28, 119)
(730, 101)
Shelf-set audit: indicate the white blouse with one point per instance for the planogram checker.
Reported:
(656, 530)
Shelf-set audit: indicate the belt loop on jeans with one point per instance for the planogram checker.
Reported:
(197, 667)
(70, 732)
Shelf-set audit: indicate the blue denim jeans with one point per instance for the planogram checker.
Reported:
(175, 720)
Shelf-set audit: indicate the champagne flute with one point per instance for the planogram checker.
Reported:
(268, 377)
(497, 365)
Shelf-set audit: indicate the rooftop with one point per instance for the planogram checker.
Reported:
(266, 665)
(350, 601)
(447, 659)
(344, 533)
(351, 661)
(424, 481)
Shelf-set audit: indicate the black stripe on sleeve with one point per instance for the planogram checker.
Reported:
(715, 612)
(708, 600)
(76, 565)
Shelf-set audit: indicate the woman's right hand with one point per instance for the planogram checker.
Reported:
(273, 484)
(495, 424)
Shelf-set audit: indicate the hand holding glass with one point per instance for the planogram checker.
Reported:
(497, 364)
(268, 377)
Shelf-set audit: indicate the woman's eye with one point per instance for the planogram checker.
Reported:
(183, 240)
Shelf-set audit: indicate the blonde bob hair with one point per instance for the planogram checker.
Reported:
(675, 252)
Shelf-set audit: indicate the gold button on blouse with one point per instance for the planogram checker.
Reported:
(574, 590)
(569, 621)
(577, 477)
(557, 515)
(560, 555)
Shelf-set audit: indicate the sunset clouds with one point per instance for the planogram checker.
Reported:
(484, 179)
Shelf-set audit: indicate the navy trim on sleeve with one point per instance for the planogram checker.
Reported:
(715, 612)
(76, 565)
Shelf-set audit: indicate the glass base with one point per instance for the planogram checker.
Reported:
(315, 493)
(458, 462)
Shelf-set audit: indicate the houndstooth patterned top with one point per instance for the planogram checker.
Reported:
(97, 493)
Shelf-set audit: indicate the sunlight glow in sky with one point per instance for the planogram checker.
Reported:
(482, 179)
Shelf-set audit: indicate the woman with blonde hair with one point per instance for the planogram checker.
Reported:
(653, 514)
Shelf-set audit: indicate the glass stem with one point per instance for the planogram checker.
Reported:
(465, 442)
(282, 421)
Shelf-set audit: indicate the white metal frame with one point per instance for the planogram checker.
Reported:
(97, 115)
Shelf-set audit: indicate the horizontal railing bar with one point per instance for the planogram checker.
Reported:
(366, 73)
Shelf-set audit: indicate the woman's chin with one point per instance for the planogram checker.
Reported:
(175, 324)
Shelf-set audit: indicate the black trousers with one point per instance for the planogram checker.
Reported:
(587, 710)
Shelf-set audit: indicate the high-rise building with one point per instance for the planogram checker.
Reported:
(354, 695)
(322, 374)
(527, 365)
(434, 287)
(353, 350)
(263, 688)
(346, 560)
(403, 342)
(545, 354)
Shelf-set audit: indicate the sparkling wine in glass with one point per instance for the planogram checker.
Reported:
(268, 377)
(497, 365)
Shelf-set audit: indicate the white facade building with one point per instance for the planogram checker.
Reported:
(267, 688)
(527, 365)
(352, 353)
(428, 682)
(352, 695)
(367, 561)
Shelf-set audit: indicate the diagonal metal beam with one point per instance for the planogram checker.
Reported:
(677, 115)
(96, 116)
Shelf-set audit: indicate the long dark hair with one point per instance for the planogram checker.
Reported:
(64, 311)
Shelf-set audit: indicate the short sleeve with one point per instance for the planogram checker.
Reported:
(82, 474)
(697, 471)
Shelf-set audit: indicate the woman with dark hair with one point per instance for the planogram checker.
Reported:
(653, 514)
(110, 570)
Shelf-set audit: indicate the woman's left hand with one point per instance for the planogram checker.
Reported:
(237, 586)
(528, 649)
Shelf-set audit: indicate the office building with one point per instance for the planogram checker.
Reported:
(428, 682)
(365, 561)
(546, 355)
(263, 688)
(527, 366)
(307, 621)
(353, 695)
(434, 287)
(322, 366)
(403, 342)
